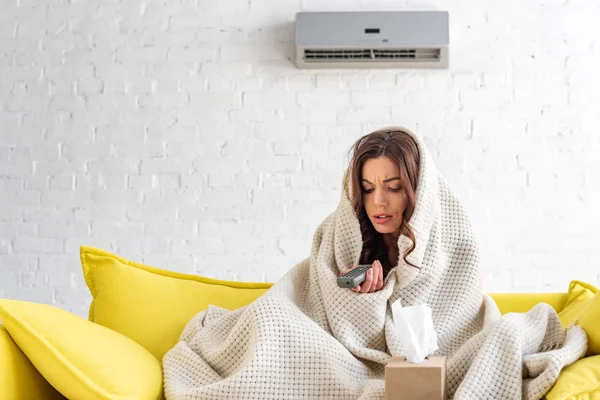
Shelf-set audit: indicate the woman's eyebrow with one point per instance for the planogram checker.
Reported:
(396, 178)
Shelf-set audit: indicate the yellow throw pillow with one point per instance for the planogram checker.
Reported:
(589, 321)
(578, 381)
(82, 360)
(583, 308)
(18, 377)
(152, 305)
(579, 297)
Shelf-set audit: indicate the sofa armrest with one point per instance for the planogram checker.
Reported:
(19, 379)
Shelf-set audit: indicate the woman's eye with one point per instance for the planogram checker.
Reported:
(395, 189)
(367, 190)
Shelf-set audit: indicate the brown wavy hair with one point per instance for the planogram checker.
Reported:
(399, 146)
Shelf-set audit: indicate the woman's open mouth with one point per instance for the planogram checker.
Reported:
(382, 218)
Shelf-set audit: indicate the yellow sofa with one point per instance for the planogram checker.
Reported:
(137, 313)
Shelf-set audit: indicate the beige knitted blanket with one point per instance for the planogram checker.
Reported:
(306, 338)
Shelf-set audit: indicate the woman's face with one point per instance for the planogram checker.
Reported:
(384, 196)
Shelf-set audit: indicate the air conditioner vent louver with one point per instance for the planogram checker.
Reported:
(318, 55)
(372, 39)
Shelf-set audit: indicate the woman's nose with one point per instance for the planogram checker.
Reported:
(380, 199)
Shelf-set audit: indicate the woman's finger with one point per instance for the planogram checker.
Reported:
(380, 280)
(376, 272)
(366, 285)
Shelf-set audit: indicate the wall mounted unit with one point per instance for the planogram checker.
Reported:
(372, 39)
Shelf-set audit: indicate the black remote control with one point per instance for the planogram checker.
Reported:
(354, 277)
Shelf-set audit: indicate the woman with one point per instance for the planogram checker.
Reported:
(307, 338)
(385, 167)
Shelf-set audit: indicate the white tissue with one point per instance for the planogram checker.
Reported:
(416, 330)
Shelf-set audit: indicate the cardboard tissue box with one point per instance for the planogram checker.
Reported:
(415, 375)
(425, 380)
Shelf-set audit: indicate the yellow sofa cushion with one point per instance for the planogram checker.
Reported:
(589, 321)
(82, 360)
(152, 305)
(581, 380)
(583, 308)
(578, 381)
(523, 302)
(579, 296)
(18, 377)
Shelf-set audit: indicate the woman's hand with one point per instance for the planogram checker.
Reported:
(373, 280)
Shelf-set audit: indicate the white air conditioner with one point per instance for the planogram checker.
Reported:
(372, 39)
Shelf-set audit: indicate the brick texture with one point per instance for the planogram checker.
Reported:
(181, 135)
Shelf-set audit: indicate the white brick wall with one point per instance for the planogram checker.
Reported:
(179, 134)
